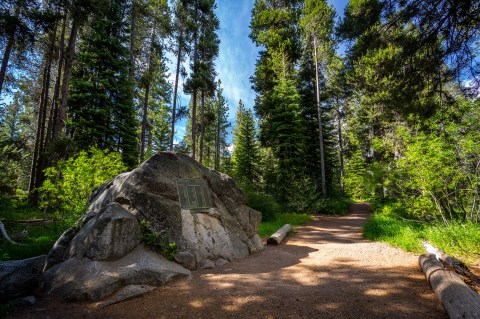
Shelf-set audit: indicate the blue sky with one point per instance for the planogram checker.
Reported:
(238, 54)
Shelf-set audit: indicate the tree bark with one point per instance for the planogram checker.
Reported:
(217, 141)
(175, 90)
(144, 122)
(320, 126)
(453, 262)
(36, 172)
(56, 90)
(340, 147)
(194, 104)
(456, 297)
(145, 101)
(133, 34)
(8, 49)
(279, 235)
(70, 56)
(202, 125)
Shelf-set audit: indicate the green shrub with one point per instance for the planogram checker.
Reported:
(159, 242)
(332, 206)
(265, 204)
(70, 183)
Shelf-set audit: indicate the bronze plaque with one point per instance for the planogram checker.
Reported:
(194, 194)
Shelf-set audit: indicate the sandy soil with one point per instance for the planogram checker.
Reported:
(325, 270)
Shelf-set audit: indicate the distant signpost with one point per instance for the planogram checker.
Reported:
(194, 194)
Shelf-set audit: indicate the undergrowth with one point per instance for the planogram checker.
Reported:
(34, 240)
(267, 228)
(388, 224)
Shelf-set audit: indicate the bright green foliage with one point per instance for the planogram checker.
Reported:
(265, 204)
(160, 242)
(439, 174)
(70, 183)
(101, 100)
(246, 153)
(388, 224)
(355, 176)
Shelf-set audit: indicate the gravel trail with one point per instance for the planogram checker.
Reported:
(324, 270)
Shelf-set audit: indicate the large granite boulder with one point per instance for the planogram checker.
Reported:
(108, 235)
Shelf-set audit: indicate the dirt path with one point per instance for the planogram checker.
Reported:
(325, 270)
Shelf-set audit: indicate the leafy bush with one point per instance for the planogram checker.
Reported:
(159, 242)
(332, 205)
(265, 204)
(69, 184)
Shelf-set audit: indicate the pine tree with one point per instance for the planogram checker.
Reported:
(317, 23)
(274, 26)
(246, 152)
(205, 49)
(101, 102)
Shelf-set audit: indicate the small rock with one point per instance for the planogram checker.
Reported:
(126, 293)
(207, 264)
(186, 259)
(220, 262)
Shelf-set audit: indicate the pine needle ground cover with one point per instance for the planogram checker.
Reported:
(458, 239)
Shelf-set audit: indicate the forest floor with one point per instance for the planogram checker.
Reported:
(324, 270)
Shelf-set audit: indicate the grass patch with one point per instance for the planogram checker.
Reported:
(35, 240)
(39, 240)
(267, 228)
(458, 239)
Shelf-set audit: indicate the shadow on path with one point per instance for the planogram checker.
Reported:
(324, 270)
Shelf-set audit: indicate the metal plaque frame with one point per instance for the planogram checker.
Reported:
(194, 194)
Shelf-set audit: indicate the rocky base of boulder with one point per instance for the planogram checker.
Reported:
(86, 279)
(20, 277)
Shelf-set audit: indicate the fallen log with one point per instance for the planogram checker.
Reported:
(279, 235)
(456, 297)
(31, 222)
(453, 262)
(5, 235)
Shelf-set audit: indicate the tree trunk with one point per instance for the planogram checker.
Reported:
(56, 91)
(202, 125)
(175, 90)
(320, 128)
(70, 56)
(36, 173)
(147, 96)
(217, 141)
(144, 122)
(133, 21)
(456, 297)
(340, 147)
(8, 49)
(194, 104)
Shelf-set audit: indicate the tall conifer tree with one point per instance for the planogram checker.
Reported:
(101, 104)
